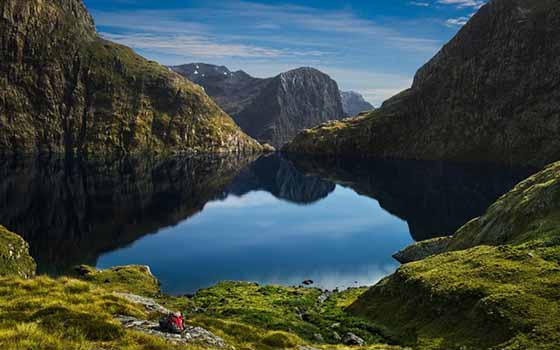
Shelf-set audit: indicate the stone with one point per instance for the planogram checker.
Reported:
(150, 304)
(336, 336)
(352, 339)
(191, 335)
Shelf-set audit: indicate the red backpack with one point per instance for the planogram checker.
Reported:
(173, 323)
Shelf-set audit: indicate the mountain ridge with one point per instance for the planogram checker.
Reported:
(491, 94)
(66, 90)
(272, 110)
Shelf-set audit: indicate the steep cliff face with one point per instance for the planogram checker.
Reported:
(271, 110)
(353, 103)
(491, 94)
(64, 89)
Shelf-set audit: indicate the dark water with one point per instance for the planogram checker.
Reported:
(197, 221)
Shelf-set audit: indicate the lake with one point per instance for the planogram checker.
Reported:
(273, 220)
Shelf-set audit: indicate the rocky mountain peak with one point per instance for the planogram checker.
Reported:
(354, 103)
(272, 110)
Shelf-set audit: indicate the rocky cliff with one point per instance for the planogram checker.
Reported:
(271, 110)
(64, 89)
(353, 103)
(491, 94)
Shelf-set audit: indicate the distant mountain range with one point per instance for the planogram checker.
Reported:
(353, 103)
(274, 110)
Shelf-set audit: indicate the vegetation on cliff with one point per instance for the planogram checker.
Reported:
(65, 89)
(14, 255)
(493, 285)
(468, 102)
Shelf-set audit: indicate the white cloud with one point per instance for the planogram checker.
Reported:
(419, 4)
(200, 46)
(476, 4)
(457, 22)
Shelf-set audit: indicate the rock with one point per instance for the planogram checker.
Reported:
(318, 338)
(324, 296)
(67, 90)
(150, 304)
(352, 339)
(336, 336)
(191, 335)
(272, 110)
(468, 103)
(422, 250)
(353, 103)
(268, 148)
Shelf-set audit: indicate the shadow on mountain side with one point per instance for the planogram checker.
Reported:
(434, 198)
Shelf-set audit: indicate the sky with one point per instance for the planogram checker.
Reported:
(370, 46)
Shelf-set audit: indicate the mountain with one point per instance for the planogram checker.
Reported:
(496, 286)
(65, 89)
(271, 110)
(491, 94)
(353, 103)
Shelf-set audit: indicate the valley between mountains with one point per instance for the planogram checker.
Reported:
(93, 137)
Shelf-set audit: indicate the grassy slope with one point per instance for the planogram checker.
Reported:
(65, 313)
(498, 287)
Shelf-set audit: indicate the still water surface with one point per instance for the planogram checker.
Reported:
(198, 221)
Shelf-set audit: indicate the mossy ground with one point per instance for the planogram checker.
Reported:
(257, 316)
(67, 313)
(48, 314)
(496, 288)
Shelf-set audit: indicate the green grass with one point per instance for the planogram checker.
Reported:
(48, 314)
(498, 286)
(247, 313)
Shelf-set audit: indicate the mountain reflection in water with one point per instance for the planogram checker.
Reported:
(196, 221)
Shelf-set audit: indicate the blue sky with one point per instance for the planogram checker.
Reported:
(371, 46)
